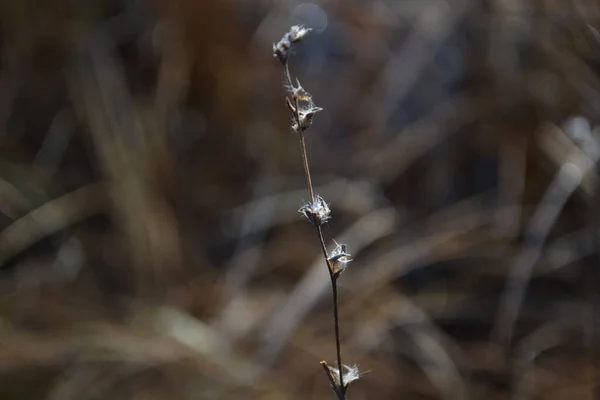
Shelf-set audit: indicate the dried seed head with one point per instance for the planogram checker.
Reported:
(317, 212)
(298, 32)
(299, 93)
(339, 259)
(350, 374)
(306, 115)
(281, 49)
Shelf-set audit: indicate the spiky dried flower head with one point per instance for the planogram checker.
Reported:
(281, 49)
(298, 32)
(317, 211)
(339, 259)
(298, 92)
(350, 374)
(305, 118)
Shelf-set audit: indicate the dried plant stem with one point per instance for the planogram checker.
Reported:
(333, 278)
(288, 76)
(308, 178)
(332, 275)
(338, 346)
(317, 211)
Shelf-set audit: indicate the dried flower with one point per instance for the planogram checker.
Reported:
(299, 93)
(317, 212)
(297, 33)
(338, 259)
(305, 115)
(281, 49)
(350, 374)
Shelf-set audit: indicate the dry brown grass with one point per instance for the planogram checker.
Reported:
(150, 246)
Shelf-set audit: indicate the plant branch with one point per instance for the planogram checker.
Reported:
(336, 319)
(307, 173)
(317, 211)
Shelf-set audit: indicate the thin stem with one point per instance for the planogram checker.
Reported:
(324, 249)
(338, 387)
(296, 106)
(288, 77)
(307, 173)
(336, 321)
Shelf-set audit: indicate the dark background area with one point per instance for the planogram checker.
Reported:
(150, 245)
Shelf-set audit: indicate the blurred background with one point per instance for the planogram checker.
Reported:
(150, 245)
